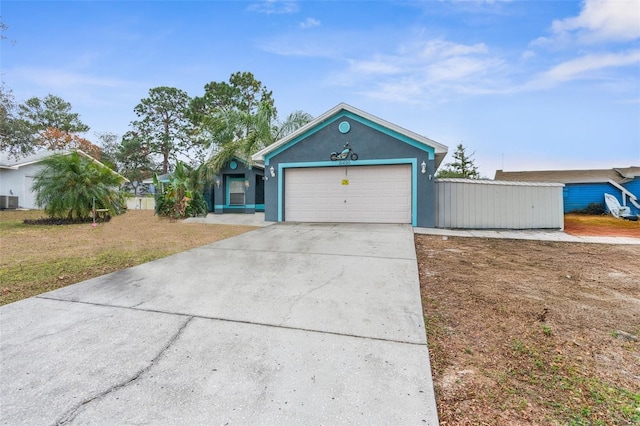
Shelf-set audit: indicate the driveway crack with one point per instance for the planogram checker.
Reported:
(302, 295)
(71, 414)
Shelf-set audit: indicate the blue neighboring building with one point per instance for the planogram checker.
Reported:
(584, 187)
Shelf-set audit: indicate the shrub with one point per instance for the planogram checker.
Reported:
(593, 209)
(182, 197)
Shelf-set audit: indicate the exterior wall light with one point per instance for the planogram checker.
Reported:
(246, 183)
(272, 171)
(424, 167)
(218, 182)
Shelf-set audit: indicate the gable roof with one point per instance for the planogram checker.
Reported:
(618, 175)
(14, 163)
(439, 149)
(7, 162)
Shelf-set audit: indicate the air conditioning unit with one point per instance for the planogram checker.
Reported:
(8, 202)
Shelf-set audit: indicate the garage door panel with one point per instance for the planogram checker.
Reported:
(379, 194)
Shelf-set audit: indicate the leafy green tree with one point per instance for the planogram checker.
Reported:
(225, 113)
(462, 166)
(40, 123)
(183, 195)
(69, 185)
(51, 112)
(243, 92)
(238, 118)
(134, 160)
(109, 144)
(3, 29)
(16, 137)
(165, 127)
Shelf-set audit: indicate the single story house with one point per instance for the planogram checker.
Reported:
(584, 187)
(17, 175)
(350, 166)
(344, 166)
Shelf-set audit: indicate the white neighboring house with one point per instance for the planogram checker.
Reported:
(17, 175)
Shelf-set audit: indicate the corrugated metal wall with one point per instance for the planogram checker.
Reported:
(478, 204)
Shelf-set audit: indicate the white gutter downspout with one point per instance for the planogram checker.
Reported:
(625, 193)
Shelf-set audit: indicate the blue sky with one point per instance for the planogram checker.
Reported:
(526, 85)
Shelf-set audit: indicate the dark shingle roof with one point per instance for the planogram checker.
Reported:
(618, 175)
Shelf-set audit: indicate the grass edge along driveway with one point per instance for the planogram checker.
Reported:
(39, 258)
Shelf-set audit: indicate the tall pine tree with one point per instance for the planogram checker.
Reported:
(462, 166)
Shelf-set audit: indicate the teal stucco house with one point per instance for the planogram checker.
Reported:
(350, 166)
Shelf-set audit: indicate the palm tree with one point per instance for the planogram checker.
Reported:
(241, 134)
(293, 122)
(69, 186)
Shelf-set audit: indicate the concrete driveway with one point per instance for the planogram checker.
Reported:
(288, 324)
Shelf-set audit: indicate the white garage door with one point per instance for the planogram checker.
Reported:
(375, 194)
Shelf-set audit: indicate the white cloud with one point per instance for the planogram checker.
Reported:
(443, 48)
(284, 46)
(75, 87)
(459, 68)
(601, 21)
(440, 69)
(599, 33)
(319, 44)
(420, 69)
(60, 79)
(278, 7)
(377, 65)
(527, 54)
(423, 69)
(594, 67)
(309, 23)
(584, 65)
(403, 91)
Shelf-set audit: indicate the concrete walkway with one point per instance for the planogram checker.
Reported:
(289, 324)
(256, 219)
(540, 235)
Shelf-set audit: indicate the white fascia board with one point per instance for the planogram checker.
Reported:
(625, 191)
(102, 165)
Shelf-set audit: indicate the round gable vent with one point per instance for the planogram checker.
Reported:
(344, 127)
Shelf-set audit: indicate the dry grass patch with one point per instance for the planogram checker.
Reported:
(40, 258)
(609, 226)
(530, 332)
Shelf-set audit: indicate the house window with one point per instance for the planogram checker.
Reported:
(236, 192)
